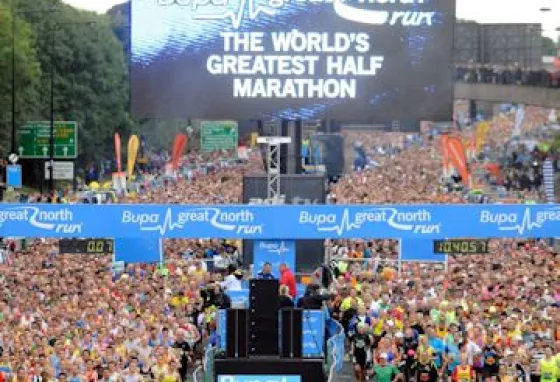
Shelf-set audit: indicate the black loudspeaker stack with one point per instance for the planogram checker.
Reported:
(263, 317)
(291, 333)
(255, 332)
(237, 329)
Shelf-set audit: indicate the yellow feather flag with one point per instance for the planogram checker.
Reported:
(480, 135)
(133, 144)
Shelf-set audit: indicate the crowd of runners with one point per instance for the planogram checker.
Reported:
(488, 317)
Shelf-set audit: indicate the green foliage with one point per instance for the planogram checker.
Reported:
(27, 73)
(555, 146)
(548, 46)
(160, 133)
(90, 72)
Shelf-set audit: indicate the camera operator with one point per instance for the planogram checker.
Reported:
(213, 295)
(312, 299)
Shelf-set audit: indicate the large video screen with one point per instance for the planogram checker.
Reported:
(370, 61)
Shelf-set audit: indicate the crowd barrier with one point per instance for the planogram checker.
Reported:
(335, 348)
(280, 222)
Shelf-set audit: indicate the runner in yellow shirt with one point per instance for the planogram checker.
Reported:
(548, 367)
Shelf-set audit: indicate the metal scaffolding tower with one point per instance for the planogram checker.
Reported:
(273, 161)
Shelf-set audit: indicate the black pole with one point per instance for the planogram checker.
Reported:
(13, 148)
(51, 138)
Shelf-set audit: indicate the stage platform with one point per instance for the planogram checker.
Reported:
(310, 370)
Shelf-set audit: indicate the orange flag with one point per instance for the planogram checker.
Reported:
(179, 146)
(457, 156)
(118, 151)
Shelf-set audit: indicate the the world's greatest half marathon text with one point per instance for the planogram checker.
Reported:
(298, 62)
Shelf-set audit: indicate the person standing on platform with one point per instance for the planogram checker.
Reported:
(287, 278)
(233, 280)
(266, 273)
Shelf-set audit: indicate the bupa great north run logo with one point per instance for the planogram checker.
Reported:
(521, 223)
(240, 222)
(259, 378)
(57, 221)
(372, 12)
(416, 221)
(274, 247)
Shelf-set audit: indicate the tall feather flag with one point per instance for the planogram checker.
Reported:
(179, 146)
(133, 145)
(480, 135)
(118, 152)
(457, 157)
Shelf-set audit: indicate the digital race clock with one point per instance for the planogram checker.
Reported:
(86, 246)
(464, 246)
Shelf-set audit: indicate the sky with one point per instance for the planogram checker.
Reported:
(484, 11)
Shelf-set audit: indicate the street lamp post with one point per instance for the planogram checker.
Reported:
(53, 72)
(51, 135)
(13, 145)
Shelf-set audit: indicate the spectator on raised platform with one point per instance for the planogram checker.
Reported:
(266, 272)
(286, 301)
(288, 278)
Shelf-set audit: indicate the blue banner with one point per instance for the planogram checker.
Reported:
(221, 325)
(313, 334)
(259, 378)
(275, 253)
(239, 298)
(13, 176)
(139, 250)
(280, 222)
(419, 250)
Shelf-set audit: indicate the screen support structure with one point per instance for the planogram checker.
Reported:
(277, 254)
(273, 160)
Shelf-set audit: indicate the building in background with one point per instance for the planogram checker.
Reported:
(499, 44)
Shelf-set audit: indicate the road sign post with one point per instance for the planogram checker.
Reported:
(61, 170)
(218, 135)
(33, 140)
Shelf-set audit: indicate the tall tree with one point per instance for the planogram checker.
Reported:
(90, 74)
(27, 73)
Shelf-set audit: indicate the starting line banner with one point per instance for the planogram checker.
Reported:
(280, 222)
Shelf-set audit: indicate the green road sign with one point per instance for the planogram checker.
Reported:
(34, 138)
(218, 135)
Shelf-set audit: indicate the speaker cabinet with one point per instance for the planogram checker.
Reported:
(237, 330)
(263, 321)
(264, 295)
(291, 333)
(290, 161)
